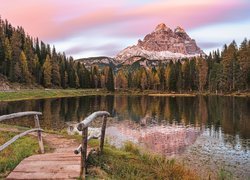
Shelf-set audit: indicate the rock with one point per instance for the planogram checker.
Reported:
(162, 44)
(101, 60)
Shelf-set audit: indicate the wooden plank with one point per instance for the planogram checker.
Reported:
(44, 175)
(48, 166)
(2, 147)
(19, 114)
(85, 123)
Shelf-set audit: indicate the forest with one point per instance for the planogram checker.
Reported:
(25, 59)
(225, 71)
(28, 60)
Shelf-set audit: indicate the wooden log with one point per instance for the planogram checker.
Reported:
(104, 123)
(17, 137)
(85, 123)
(39, 134)
(84, 152)
(78, 149)
(19, 114)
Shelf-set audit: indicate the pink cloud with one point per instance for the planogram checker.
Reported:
(59, 20)
(54, 20)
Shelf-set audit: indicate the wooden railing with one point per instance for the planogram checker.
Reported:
(83, 126)
(37, 128)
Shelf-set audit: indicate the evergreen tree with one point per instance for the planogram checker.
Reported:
(56, 78)
(244, 62)
(110, 81)
(167, 77)
(230, 67)
(16, 51)
(172, 77)
(65, 80)
(186, 75)
(8, 58)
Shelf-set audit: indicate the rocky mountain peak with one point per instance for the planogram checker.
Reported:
(179, 29)
(161, 27)
(162, 44)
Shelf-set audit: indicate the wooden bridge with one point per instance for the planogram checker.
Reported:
(66, 162)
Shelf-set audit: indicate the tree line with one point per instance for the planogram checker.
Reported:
(24, 59)
(225, 71)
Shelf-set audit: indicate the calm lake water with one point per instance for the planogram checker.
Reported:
(209, 132)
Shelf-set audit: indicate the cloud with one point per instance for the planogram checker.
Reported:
(208, 45)
(125, 20)
(80, 48)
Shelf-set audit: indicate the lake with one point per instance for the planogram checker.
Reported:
(209, 133)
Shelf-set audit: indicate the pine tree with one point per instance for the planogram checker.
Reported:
(230, 67)
(36, 71)
(186, 75)
(16, 51)
(244, 62)
(110, 81)
(55, 76)
(172, 77)
(8, 58)
(167, 77)
(65, 80)
(193, 75)
(179, 81)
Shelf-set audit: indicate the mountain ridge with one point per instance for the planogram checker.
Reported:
(162, 44)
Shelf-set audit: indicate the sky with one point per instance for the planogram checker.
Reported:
(87, 28)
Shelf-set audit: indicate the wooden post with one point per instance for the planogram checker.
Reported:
(84, 152)
(39, 134)
(103, 133)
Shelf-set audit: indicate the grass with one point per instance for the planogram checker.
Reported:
(131, 163)
(26, 94)
(16, 152)
(50, 93)
(224, 175)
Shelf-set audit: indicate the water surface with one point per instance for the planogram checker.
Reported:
(212, 132)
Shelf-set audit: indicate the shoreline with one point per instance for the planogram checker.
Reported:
(30, 94)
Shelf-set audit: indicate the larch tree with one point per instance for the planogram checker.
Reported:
(202, 69)
(24, 68)
(47, 68)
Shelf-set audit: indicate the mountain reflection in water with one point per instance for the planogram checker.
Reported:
(165, 140)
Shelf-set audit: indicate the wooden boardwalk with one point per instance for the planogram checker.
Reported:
(48, 166)
(62, 163)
